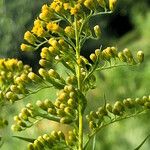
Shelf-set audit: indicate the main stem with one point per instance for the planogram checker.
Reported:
(78, 73)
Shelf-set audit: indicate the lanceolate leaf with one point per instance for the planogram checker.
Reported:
(24, 139)
(137, 148)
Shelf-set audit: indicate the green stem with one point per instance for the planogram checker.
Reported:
(78, 73)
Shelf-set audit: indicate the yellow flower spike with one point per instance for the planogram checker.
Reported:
(53, 27)
(70, 31)
(26, 47)
(112, 4)
(29, 37)
(102, 3)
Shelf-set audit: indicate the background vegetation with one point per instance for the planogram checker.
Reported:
(128, 27)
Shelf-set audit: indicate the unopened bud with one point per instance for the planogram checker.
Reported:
(112, 4)
(93, 57)
(97, 31)
(140, 56)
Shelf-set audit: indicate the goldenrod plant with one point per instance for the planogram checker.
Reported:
(59, 33)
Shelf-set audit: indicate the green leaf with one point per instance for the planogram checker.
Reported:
(25, 139)
(94, 143)
(1, 142)
(137, 148)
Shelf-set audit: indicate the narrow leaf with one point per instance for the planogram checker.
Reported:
(94, 143)
(25, 139)
(137, 148)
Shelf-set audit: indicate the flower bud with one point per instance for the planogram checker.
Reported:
(92, 125)
(51, 111)
(65, 120)
(26, 47)
(129, 103)
(31, 146)
(16, 118)
(140, 56)
(61, 135)
(38, 144)
(89, 4)
(34, 77)
(48, 103)
(119, 106)
(103, 111)
(71, 102)
(55, 135)
(127, 53)
(109, 107)
(102, 3)
(16, 128)
(29, 106)
(69, 111)
(61, 112)
(21, 123)
(41, 105)
(93, 114)
(98, 52)
(114, 51)
(62, 106)
(97, 31)
(112, 4)
(122, 57)
(47, 139)
(57, 103)
(147, 105)
(23, 116)
(70, 31)
(53, 74)
(43, 72)
(93, 57)
(28, 36)
(63, 96)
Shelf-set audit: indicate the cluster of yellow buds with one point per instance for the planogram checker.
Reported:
(111, 53)
(49, 22)
(63, 110)
(66, 104)
(117, 110)
(10, 71)
(53, 141)
(23, 120)
(46, 14)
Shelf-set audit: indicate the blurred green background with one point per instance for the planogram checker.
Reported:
(128, 26)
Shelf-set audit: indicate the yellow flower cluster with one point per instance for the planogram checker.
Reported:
(54, 27)
(38, 28)
(10, 70)
(46, 14)
(49, 23)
